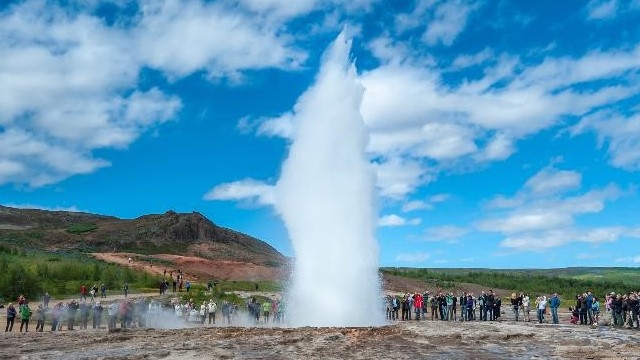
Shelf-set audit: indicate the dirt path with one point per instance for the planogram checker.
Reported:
(194, 268)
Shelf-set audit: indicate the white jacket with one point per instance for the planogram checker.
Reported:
(212, 307)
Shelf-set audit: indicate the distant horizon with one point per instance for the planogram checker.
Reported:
(501, 133)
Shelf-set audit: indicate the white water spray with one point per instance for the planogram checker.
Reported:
(325, 196)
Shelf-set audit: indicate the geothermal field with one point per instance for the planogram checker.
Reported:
(406, 340)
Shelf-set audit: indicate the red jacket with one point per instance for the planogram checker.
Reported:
(417, 301)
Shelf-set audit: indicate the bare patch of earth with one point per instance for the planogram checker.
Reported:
(406, 340)
(399, 284)
(195, 268)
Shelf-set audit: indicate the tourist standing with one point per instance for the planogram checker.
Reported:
(595, 309)
(25, 315)
(211, 309)
(541, 304)
(526, 307)
(40, 316)
(554, 304)
(11, 317)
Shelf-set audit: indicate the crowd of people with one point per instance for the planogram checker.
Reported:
(269, 310)
(621, 309)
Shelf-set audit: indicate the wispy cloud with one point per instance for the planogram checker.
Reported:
(542, 215)
(248, 190)
(427, 204)
(602, 9)
(396, 220)
(446, 232)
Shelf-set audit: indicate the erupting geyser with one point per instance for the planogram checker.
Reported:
(325, 196)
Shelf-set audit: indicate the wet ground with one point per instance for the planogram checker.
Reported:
(405, 340)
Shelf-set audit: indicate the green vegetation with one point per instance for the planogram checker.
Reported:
(533, 282)
(223, 291)
(81, 228)
(32, 273)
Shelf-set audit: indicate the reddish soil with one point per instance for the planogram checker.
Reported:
(195, 268)
(399, 284)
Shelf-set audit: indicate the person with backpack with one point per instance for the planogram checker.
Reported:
(25, 315)
(11, 317)
(211, 310)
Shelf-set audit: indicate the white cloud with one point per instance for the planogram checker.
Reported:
(443, 141)
(414, 205)
(395, 220)
(281, 126)
(418, 257)
(538, 213)
(448, 20)
(446, 232)
(465, 61)
(248, 190)
(500, 147)
(398, 177)
(286, 9)
(630, 259)
(552, 181)
(71, 80)
(559, 237)
(180, 37)
(542, 216)
(620, 133)
(602, 9)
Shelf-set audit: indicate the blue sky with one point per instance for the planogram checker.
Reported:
(503, 133)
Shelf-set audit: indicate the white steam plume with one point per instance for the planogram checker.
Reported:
(325, 196)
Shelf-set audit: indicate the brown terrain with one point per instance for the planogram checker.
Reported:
(403, 340)
(195, 268)
(189, 242)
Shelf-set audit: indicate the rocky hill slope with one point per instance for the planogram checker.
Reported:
(169, 233)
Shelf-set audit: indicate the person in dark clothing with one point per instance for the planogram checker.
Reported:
(71, 313)
(84, 315)
(434, 307)
(616, 308)
(488, 308)
(496, 308)
(97, 315)
(11, 317)
(405, 309)
(463, 306)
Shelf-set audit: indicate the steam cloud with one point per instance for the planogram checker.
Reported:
(325, 196)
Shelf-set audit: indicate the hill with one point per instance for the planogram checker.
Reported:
(189, 234)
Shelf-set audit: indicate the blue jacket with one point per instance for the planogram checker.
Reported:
(554, 302)
(589, 301)
(11, 313)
